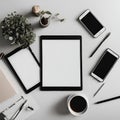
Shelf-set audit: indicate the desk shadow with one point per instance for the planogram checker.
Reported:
(28, 14)
(36, 26)
(5, 45)
(3, 42)
(61, 107)
(35, 23)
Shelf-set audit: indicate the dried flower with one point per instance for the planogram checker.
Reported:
(57, 18)
(36, 10)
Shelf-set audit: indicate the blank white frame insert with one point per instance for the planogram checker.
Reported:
(25, 68)
(61, 61)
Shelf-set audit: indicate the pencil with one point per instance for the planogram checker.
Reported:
(100, 44)
(98, 89)
(107, 100)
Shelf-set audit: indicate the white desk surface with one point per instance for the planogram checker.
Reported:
(53, 104)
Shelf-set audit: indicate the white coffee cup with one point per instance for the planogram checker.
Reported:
(77, 104)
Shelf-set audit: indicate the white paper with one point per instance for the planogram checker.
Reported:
(24, 114)
(61, 63)
(26, 67)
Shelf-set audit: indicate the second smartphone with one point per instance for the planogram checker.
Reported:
(91, 23)
(104, 65)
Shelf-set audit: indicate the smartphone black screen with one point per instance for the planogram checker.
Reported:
(105, 65)
(92, 23)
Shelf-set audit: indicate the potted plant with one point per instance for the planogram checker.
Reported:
(45, 16)
(17, 29)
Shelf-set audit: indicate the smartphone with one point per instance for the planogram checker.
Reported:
(104, 65)
(91, 23)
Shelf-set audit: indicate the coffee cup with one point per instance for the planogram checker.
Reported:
(77, 104)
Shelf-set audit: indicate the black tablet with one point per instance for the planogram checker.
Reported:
(61, 62)
(25, 67)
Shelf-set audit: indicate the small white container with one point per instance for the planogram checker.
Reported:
(44, 25)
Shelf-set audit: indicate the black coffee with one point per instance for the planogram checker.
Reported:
(78, 104)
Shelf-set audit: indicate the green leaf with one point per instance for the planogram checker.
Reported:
(48, 12)
(61, 20)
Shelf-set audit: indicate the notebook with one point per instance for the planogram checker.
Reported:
(6, 89)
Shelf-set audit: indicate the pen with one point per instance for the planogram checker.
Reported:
(98, 89)
(16, 102)
(18, 111)
(100, 44)
(13, 104)
(107, 100)
(30, 108)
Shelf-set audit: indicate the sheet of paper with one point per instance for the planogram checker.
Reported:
(26, 68)
(24, 114)
(6, 89)
(61, 63)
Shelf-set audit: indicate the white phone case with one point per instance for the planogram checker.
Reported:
(80, 19)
